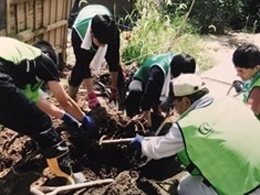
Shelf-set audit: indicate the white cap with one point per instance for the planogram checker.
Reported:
(187, 84)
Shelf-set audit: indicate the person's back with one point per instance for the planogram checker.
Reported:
(219, 149)
(151, 83)
(85, 15)
(15, 51)
(218, 146)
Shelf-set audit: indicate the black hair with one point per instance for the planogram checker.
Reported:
(182, 63)
(103, 28)
(48, 49)
(246, 55)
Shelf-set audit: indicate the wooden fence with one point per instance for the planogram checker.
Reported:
(32, 20)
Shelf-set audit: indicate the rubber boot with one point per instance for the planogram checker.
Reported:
(72, 91)
(56, 153)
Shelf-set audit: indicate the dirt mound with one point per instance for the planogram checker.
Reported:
(97, 161)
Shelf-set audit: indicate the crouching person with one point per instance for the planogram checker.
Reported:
(20, 114)
(218, 146)
(32, 66)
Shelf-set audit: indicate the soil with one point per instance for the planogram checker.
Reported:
(21, 166)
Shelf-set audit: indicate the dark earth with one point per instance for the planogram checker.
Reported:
(21, 166)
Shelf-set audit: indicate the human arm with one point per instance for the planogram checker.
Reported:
(69, 105)
(65, 101)
(152, 92)
(113, 57)
(47, 72)
(49, 108)
(254, 100)
(56, 112)
(164, 146)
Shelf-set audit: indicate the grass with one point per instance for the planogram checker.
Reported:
(156, 32)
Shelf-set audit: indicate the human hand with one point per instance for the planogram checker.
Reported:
(69, 121)
(93, 100)
(137, 141)
(87, 123)
(238, 85)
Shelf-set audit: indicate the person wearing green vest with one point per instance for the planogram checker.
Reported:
(246, 59)
(220, 153)
(23, 68)
(31, 68)
(72, 116)
(95, 38)
(151, 83)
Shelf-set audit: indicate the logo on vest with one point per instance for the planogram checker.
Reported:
(205, 128)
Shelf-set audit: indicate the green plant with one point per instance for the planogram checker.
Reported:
(157, 31)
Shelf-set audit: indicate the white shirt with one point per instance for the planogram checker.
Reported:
(172, 142)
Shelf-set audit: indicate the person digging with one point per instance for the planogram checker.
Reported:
(218, 146)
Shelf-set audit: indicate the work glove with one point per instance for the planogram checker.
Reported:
(93, 100)
(114, 95)
(137, 142)
(87, 123)
(238, 85)
(135, 149)
(69, 121)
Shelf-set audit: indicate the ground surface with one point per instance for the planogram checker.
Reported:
(104, 161)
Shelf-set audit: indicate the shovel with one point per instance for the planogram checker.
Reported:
(50, 190)
(119, 141)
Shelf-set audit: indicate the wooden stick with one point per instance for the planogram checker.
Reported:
(55, 190)
(120, 141)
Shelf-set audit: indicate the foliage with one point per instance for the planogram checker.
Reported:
(158, 31)
(211, 15)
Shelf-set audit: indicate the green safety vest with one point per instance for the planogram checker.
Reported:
(249, 85)
(84, 17)
(222, 144)
(15, 52)
(163, 61)
(32, 91)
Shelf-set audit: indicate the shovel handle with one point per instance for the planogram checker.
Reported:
(56, 190)
(121, 140)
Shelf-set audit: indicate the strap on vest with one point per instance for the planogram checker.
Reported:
(190, 167)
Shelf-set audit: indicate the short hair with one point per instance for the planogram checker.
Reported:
(103, 28)
(47, 48)
(182, 63)
(246, 55)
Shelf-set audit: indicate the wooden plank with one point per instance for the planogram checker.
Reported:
(12, 21)
(20, 17)
(8, 24)
(26, 8)
(46, 17)
(59, 31)
(28, 34)
(38, 14)
(53, 15)
(66, 12)
(13, 2)
(30, 16)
